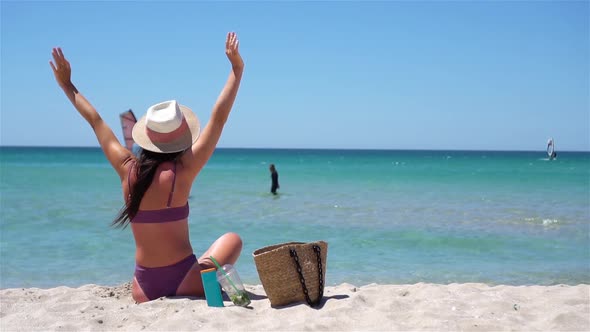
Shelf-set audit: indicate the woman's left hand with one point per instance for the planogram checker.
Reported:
(232, 50)
(61, 68)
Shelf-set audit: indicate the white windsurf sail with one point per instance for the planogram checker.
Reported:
(550, 148)
(128, 120)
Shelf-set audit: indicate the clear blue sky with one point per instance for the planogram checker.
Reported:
(384, 75)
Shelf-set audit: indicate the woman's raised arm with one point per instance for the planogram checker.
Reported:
(203, 148)
(116, 153)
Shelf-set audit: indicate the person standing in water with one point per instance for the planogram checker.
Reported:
(274, 176)
(156, 184)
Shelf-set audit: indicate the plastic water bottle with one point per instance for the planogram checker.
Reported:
(232, 285)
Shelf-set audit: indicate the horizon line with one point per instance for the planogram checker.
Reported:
(302, 148)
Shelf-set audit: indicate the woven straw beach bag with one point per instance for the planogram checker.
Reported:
(293, 272)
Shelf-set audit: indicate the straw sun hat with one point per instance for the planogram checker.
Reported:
(167, 127)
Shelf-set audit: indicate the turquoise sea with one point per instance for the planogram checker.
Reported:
(389, 216)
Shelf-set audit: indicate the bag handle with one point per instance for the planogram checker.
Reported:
(318, 251)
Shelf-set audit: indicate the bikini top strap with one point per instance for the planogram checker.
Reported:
(173, 185)
(171, 191)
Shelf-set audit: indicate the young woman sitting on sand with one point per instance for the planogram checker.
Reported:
(156, 185)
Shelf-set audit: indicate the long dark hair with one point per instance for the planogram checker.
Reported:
(148, 163)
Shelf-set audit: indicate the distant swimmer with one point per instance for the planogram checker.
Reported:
(274, 175)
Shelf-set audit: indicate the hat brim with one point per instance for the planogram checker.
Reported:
(180, 144)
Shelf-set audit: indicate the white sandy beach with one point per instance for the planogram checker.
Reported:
(419, 307)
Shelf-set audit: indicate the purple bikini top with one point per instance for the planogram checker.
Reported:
(162, 215)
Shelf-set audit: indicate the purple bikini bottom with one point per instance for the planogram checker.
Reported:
(163, 281)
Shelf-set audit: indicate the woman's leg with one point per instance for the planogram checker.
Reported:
(137, 293)
(225, 250)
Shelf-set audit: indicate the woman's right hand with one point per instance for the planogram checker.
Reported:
(231, 50)
(61, 68)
